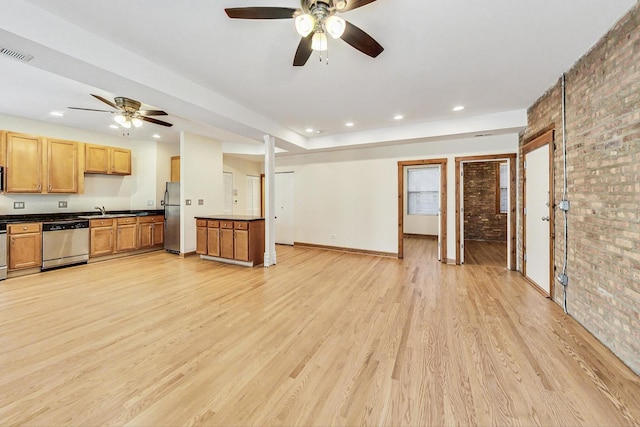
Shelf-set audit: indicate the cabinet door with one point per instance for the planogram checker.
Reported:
(24, 164)
(25, 251)
(201, 240)
(146, 235)
(101, 241)
(241, 245)
(158, 233)
(226, 243)
(175, 169)
(62, 167)
(126, 238)
(96, 158)
(213, 241)
(120, 161)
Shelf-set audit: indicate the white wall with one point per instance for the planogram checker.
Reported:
(200, 178)
(240, 169)
(353, 193)
(111, 191)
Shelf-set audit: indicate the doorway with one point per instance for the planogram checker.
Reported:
(496, 191)
(441, 222)
(284, 208)
(538, 220)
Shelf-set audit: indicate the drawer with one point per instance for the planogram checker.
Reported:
(101, 223)
(213, 224)
(241, 225)
(127, 220)
(148, 219)
(34, 227)
(201, 222)
(226, 224)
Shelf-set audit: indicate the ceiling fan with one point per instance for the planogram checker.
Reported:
(313, 20)
(129, 112)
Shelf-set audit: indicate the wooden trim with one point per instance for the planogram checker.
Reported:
(512, 197)
(262, 195)
(539, 142)
(350, 250)
(443, 203)
(536, 287)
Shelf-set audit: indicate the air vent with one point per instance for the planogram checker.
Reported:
(15, 54)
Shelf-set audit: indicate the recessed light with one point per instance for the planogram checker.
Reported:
(458, 108)
(349, 124)
(56, 114)
(309, 130)
(155, 135)
(398, 117)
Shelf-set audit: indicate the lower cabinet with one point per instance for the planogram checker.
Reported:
(126, 234)
(232, 240)
(25, 246)
(101, 237)
(150, 231)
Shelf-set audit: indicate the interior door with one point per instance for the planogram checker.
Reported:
(462, 245)
(537, 218)
(284, 191)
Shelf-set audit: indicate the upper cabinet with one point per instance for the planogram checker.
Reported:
(107, 160)
(24, 163)
(38, 165)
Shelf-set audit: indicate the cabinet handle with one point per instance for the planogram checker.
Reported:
(39, 187)
(49, 187)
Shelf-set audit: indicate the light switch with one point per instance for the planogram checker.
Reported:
(188, 202)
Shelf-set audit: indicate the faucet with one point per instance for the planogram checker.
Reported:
(102, 210)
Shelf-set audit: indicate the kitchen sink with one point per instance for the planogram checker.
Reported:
(99, 216)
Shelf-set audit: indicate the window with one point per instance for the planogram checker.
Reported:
(423, 190)
(502, 193)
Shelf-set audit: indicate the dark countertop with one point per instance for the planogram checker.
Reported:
(223, 217)
(61, 216)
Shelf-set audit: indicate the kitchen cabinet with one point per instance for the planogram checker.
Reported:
(150, 231)
(101, 237)
(236, 239)
(62, 166)
(213, 238)
(201, 236)
(107, 160)
(24, 163)
(25, 245)
(126, 234)
(37, 165)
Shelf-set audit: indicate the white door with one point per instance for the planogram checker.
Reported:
(537, 217)
(283, 208)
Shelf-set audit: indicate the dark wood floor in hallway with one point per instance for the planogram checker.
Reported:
(323, 338)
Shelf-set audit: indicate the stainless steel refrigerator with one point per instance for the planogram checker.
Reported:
(172, 217)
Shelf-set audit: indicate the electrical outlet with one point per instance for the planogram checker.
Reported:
(564, 205)
(150, 203)
(18, 205)
(188, 202)
(201, 202)
(62, 204)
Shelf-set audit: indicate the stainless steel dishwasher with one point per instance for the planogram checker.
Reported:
(3, 251)
(65, 243)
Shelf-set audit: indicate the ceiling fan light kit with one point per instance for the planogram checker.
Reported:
(313, 20)
(129, 112)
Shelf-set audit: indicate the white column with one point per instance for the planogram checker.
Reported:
(269, 203)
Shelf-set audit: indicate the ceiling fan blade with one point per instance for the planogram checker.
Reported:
(106, 101)
(155, 121)
(361, 40)
(260, 12)
(152, 112)
(354, 4)
(89, 109)
(303, 52)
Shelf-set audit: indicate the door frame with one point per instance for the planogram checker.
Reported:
(443, 203)
(512, 200)
(539, 140)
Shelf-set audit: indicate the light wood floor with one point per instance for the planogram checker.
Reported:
(323, 338)
(479, 252)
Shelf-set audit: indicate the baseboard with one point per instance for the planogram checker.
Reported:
(536, 287)
(451, 261)
(350, 250)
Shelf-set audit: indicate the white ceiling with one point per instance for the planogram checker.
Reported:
(233, 80)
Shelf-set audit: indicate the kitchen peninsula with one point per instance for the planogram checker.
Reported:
(234, 239)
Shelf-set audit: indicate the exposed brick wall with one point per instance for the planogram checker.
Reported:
(603, 146)
(481, 219)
